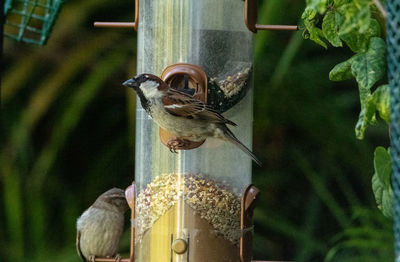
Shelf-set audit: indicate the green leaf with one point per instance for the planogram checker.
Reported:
(309, 14)
(366, 117)
(382, 102)
(330, 27)
(310, 20)
(382, 165)
(379, 101)
(342, 71)
(357, 16)
(314, 33)
(338, 3)
(381, 181)
(368, 67)
(359, 42)
(318, 6)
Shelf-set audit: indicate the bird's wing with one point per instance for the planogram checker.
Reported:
(78, 246)
(184, 105)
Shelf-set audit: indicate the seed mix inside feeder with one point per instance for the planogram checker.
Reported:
(230, 86)
(210, 217)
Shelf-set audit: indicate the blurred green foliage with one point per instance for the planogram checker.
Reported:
(68, 135)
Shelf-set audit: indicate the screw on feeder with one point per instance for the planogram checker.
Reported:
(179, 246)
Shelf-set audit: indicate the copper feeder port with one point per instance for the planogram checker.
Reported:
(190, 79)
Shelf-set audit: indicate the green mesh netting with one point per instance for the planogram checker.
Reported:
(30, 21)
(393, 40)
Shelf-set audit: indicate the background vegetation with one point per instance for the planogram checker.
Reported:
(68, 136)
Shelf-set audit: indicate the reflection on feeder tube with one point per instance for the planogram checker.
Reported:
(180, 204)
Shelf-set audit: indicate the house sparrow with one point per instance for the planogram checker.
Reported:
(100, 227)
(181, 114)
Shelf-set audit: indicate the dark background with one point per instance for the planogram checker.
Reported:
(69, 136)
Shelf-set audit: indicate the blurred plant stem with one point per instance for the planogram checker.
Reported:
(286, 60)
(20, 140)
(304, 251)
(320, 186)
(13, 205)
(280, 224)
(268, 14)
(72, 16)
(65, 123)
(131, 109)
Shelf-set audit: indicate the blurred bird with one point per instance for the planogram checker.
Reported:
(181, 114)
(100, 227)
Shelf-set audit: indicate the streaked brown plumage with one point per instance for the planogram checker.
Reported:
(100, 227)
(181, 114)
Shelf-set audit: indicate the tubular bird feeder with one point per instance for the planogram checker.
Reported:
(195, 205)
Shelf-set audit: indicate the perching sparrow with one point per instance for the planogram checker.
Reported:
(100, 227)
(181, 114)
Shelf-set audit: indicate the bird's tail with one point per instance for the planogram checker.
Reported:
(232, 138)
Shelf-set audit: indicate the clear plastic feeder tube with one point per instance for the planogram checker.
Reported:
(188, 204)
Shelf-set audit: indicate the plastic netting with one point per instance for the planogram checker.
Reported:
(393, 40)
(30, 21)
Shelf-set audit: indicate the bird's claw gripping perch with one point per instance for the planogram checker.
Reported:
(92, 258)
(176, 143)
(118, 258)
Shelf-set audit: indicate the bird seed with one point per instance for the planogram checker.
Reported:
(212, 201)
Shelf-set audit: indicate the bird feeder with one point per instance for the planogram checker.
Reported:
(30, 21)
(195, 205)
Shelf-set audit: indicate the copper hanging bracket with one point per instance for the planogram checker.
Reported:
(190, 79)
(250, 19)
(246, 222)
(134, 24)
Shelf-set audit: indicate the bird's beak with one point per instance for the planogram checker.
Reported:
(132, 83)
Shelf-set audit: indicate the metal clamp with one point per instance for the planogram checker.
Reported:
(250, 19)
(134, 24)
